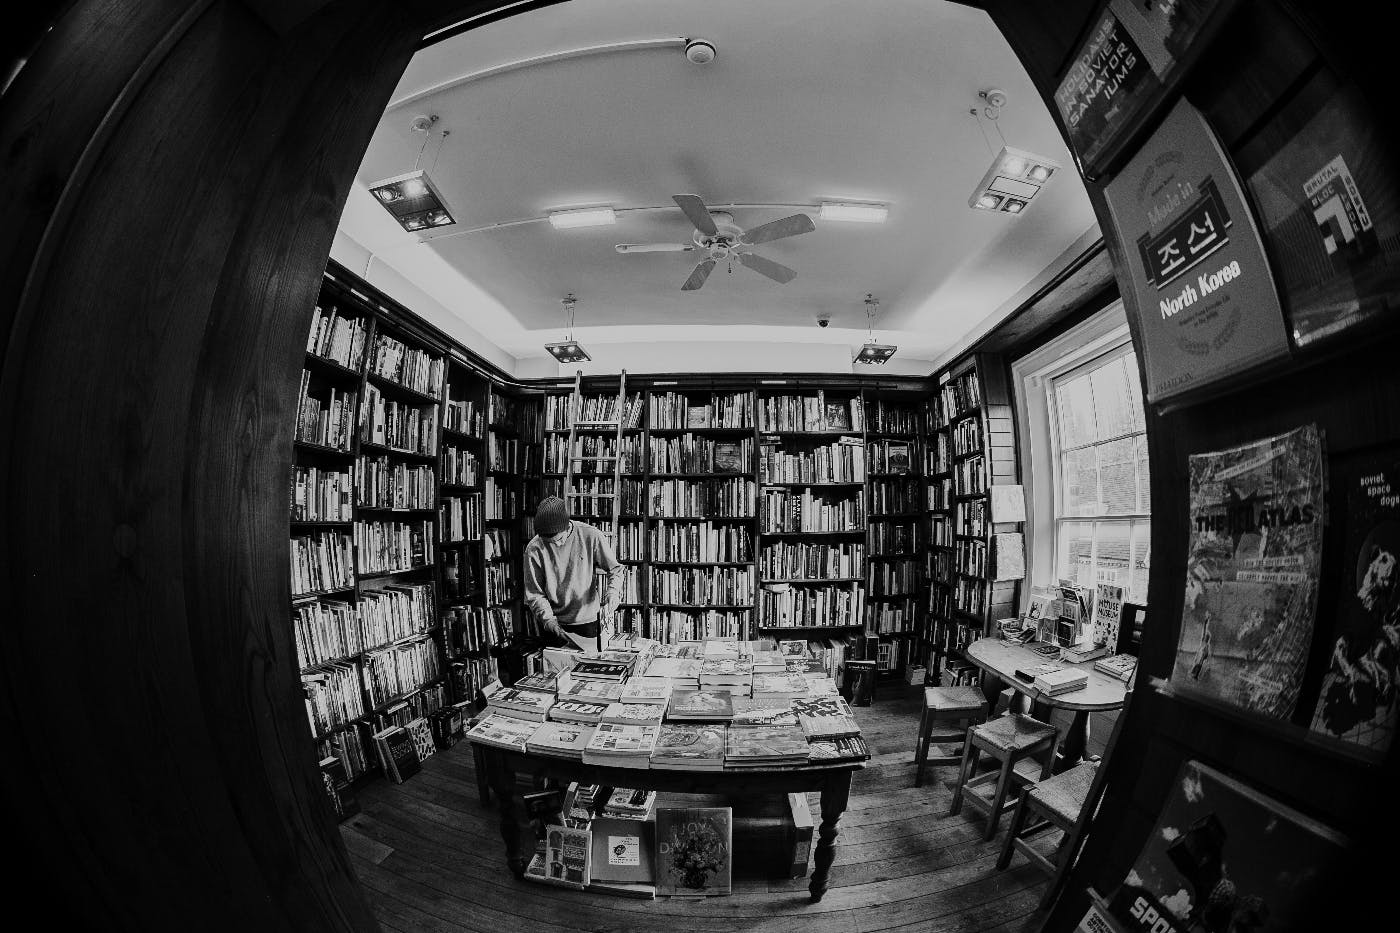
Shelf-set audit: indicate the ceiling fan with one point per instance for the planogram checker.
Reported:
(716, 234)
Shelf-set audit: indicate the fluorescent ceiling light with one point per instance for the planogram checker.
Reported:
(1015, 177)
(570, 351)
(875, 354)
(856, 213)
(587, 217)
(413, 200)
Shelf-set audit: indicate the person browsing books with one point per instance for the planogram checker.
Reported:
(562, 563)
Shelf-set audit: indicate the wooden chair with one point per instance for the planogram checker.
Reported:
(963, 706)
(1058, 802)
(1026, 749)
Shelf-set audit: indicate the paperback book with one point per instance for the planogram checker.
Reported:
(583, 711)
(691, 747)
(560, 740)
(503, 731)
(846, 748)
(694, 850)
(630, 803)
(761, 711)
(647, 690)
(824, 717)
(397, 753)
(522, 704)
(566, 857)
(590, 691)
(1118, 665)
(540, 682)
(1253, 560)
(779, 685)
(709, 705)
(765, 746)
(613, 744)
(623, 850)
(636, 714)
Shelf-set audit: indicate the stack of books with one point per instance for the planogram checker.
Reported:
(630, 804)
(606, 667)
(763, 712)
(701, 705)
(1118, 665)
(684, 673)
(724, 673)
(560, 740)
(698, 747)
(503, 731)
(647, 690)
(613, 745)
(821, 686)
(765, 747)
(593, 691)
(562, 858)
(769, 661)
(540, 682)
(512, 701)
(578, 711)
(779, 688)
(1061, 681)
(580, 800)
(634, 714)
(824, 717)
(721, 648)
(846, 748)
(1078, 653)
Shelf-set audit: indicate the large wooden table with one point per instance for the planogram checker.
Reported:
(833, 781)
(1002, 658)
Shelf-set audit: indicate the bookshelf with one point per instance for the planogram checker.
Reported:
(895, 500)
(971, 447)
(812, 523)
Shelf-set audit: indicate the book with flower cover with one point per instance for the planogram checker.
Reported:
(697, 747)
(694, 850)
(824, 717)
(503, 731)
(636, 714)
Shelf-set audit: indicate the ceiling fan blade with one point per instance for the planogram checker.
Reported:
(698, 277)
(788, 226)
(654, 247)
(697, 213)
(774, 270)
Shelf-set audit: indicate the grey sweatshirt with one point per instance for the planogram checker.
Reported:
(560, 576)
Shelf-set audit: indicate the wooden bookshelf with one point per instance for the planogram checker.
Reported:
(894, 494)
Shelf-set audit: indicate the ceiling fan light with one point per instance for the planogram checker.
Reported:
(854, 213)
(569, 351)
(875, 354)
(585, 217)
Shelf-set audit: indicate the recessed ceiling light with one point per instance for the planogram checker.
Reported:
(586, 217)
(413, 200)
(1015, 177)
(855, 213)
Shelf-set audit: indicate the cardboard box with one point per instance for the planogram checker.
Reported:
(915, 675)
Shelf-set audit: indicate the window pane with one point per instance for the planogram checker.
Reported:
(1080, 476)
(1113, 411)
(1144, 475)
(1076, 553)
(1074, 401)
(1114, 553)
(1142, 542)
(1118, 476)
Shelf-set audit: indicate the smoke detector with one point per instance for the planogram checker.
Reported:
(700, 52)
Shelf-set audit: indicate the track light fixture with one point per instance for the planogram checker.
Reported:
(872, 353)
(568, 350)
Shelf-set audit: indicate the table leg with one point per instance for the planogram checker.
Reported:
(515, 823)
(1076, 741)
(483, 789)
(835, 795)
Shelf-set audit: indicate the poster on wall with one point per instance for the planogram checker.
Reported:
(1121, 72)
(1360, 698)
(1252, 565)
(1329, 204)
(1225, 858)
(1204, 295)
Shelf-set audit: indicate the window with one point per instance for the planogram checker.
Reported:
(1101, 501)
(1084, 458)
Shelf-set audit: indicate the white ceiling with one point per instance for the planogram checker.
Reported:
(807, 100)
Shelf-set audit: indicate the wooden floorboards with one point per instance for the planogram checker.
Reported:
(430, 858)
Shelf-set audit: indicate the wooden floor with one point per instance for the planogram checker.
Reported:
(430, 857)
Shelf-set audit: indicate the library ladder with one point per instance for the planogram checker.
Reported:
(576, 455)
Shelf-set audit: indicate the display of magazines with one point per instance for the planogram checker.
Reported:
(1253, 559)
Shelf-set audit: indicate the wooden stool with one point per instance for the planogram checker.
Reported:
(1058, 802)
(965, 706)
(1016, 740)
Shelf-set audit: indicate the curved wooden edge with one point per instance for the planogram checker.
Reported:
(1000, 658)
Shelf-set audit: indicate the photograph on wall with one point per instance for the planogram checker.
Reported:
(1358, 702)
(1330, 208)
(1224, 858)
(1202, 290)
(1253, 560)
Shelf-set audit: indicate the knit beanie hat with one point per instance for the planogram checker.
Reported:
(552, 516)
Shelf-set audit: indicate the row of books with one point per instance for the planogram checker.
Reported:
(895, 578)
(514, 415)
(501, 499)
(558, 409)
(673, 626)
(325, 416)
(460, 467)
(688, 453)
(940, 494)
(810, 413)
(325, 630)
(970, 476)
(461, 518)
(940, 455)
(970, 557)
(338, 336)
(888, 496)
(898, 537)
(502, 583)
(700, 542)
(707, 586)
(348, 747)
(408, 366)
(384, 484)
(474, 629)
(322, 562)
(891, 418)
(396, 611)
(959, 396)
(801, 560)
(834, 606)
(390, 546)
(593, 454)
(319, 495)
(940, 531)
(508, 454)
(967, 437)
(398, 425)
(672, 411)
(463, 416)
(889, 618)
(672, 498)
(333, 696)
(784, 510)
(421, 703)
(970, 518)
(969, 595)
(459, 573)
(888, 457)
(400, 669)
(841, 462)
(469, 675)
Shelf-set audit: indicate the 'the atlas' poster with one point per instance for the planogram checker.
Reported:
(1360, 699)
(1224, 858)
(1204, 294)
(1255, 550)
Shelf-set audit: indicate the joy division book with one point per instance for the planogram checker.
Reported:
(697, 746)
(623, 850)
(694, 850)
(1224, 857)
(1358, 699)
(1253, 559)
